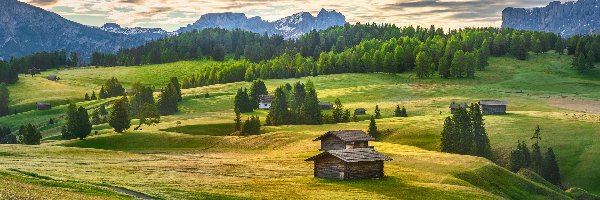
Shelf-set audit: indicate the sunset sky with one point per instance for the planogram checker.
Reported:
(172, 14)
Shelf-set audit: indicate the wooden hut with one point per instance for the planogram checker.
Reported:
(455, 106)
(346, 139)
(360, 111)
(264, 102)
(43, 106)
(493, 107)
(359, 163)
(52, 77)
(326, 105)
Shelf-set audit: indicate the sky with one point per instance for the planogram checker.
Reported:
(172, 14)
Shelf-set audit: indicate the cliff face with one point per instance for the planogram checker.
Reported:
(566, 19)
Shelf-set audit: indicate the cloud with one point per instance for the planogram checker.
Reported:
(172, 14)
(43, 2)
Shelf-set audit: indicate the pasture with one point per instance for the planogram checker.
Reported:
(191, 155)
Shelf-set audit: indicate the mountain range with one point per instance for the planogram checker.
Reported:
(290, 27)
(566, 19)
(27, 29)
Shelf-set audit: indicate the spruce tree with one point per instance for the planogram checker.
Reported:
(398, 111)
(93, 97)
(377, 112)
(96, 118)
(373, 132)
(4, 99)
(551, 170)
(346, 117)
(482, 142)
(167, 103)
(119, 117)
(242, 102)
(177, 86)
(448, 140)
(238, 120)
(72, 125)
(258, 88)
(84, 127)
(87, 97)
(30, 135)
(102, 110)
(338, 111)
(403, 112)
(310, 112)
(279, 112)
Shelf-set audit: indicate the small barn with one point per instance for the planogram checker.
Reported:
(264, 102)
(344, 139)
(360, 111)
(493, 107)
(43, 106)
(326, 105)
(52, 77)
(455, 106)
(359, 163)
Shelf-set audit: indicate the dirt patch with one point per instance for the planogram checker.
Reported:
(135, 194)
(587, 106)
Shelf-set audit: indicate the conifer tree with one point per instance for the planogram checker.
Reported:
(177, 86)
(4, 99)
(448, 140)
(72, 125)
(279, 112)
(167, 103)
(338, 111)
(102, 110)
(398, 111)
(373, 132)
(346, 117)
(93, 97)
(258, 88)
(311, 111)
(102, 94)
(536, 152)
(238, 120)
(96, 118)
(377, 112)
(119, 117)
(30, 135)
(482, 142)
(87, 97)
(242, 101)
(551, 170)
(84, 127)
(403, 112)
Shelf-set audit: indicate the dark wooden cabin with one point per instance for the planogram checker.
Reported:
(346, 139)
(360, 163)
(360, 111)
(493, 107)
(52, 77)
(43, 106)
(455, 106)
(326, 105)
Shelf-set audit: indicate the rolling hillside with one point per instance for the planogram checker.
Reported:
(172, 160)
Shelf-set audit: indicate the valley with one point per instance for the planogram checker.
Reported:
(172, 161)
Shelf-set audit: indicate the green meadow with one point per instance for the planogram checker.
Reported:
(192, 154)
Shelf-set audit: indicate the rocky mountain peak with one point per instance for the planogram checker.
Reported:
(566, 19)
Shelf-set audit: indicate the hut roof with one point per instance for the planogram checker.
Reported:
(492, 102)
(458, 105)
(52, 77)
(42, 104)
(360, 109)
(354, 155)
(265, 98)
(325, 103)
(348, 135)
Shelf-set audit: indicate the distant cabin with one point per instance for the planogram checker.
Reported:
(493, 107)
(264, 102)
(456, 106)
(346, 139)
(360, 163)
(43, 106)
(360, 111)
(326, 105)
(52, 77)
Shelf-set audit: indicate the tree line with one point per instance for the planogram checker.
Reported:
(464, 133)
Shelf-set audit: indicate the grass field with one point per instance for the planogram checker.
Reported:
(190, 155)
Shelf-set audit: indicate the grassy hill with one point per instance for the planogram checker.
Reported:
(196, 158)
